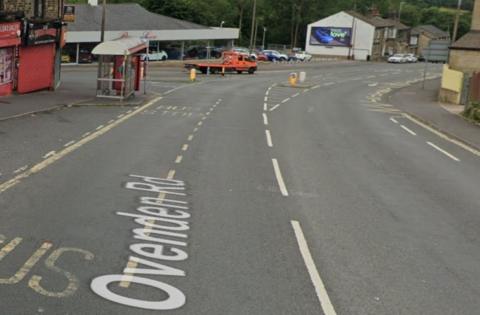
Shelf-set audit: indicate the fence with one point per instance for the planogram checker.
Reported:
(475, 87)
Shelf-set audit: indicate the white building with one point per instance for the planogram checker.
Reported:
(348, 34)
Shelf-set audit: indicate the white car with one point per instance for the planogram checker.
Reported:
(155, 56)
(303, 56)
(411, 58)
(398, 58)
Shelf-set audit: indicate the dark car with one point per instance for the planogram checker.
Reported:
(85, 56)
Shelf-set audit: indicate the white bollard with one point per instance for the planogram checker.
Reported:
(302, 77)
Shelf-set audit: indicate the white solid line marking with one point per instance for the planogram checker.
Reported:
(274, 107)
(185, 147)
(265, 106)
(393, 120)
(408, 130)
(322, 294)
(443, 136)
(265, 119)
(85, 134)
(278, 174)
(443, 151)
(286, 100)
(129, 111)
(315, 87)
(49, 154)
(190, 138)
(99, 127)
(178, 159)
(120, 116)
(329, 83)
(69, 143)
(269, 138)
(111, 121)
(296, 94)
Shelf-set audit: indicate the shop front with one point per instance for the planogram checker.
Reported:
(9, 41)
(40, 44)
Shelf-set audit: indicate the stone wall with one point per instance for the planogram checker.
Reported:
(465, 60)
(51, 7)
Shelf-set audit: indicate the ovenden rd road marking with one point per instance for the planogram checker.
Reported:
(442, 135)
(296, 94)
(52, 156)
(265, 107)
(99, 127)
(190, 137)
(200, 123)
(443, 151)
(185, 147)
(132, 265)
(265, 99)
(278, 175)
(21, 169)
(408, 130)
(178, 159)
(86, 134)
(265, 119)
(322, 294)
(269, 138)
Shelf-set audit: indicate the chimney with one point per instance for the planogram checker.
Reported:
(93, 2)
(476, 16)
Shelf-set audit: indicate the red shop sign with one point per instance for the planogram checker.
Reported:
(9, 34)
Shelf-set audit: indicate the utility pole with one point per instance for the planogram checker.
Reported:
(400, 11)
(457, 18)
(104, 13)
(254, 13)
(263, 39)
(255, 35)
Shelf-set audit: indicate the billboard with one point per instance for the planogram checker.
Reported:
(331, 36)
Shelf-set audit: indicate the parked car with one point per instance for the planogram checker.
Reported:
(411, 58)
(244, 50)
(274, 55)
(398, 58)
(154, 56)
(261, 56)
(85, 56)
(303, 56)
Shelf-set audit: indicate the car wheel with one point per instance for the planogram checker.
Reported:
(251, 70)
(164, 58)
(239, 71)
(283, 59)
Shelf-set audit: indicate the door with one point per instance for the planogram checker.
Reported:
(36, 69)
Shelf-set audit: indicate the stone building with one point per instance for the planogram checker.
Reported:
(34, 9)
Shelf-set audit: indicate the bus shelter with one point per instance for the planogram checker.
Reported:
(119, 67)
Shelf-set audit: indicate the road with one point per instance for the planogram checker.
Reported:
(240, 195)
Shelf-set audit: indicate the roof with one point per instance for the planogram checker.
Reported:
(398, 25)
(125, 16)
(469, 41)
(430, 30)
(375, 21)
(120, 47)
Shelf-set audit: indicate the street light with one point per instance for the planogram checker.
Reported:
(252, 33)
(104, 13)
(221, 24)
(457, 17)
(263, 40)
(400, 11)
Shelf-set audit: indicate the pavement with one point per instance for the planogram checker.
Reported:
(423, 104)
(240, 195)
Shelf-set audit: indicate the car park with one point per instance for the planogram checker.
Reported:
(398, 58)
(154, 56)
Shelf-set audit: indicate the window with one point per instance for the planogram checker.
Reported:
(39, 8)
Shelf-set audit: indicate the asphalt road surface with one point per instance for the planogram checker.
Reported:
(240, 195)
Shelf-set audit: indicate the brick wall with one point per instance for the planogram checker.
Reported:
(51, 7)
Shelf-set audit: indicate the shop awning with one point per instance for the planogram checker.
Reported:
(120, 47)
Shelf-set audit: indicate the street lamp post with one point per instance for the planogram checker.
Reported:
(254, 13)
(104, 13)
(263, 39)
(221, 24)
(457, 18)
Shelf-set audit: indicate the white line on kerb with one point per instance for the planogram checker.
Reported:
(269, 138)
(99, 127)
(49, 154)
(408, 130)
(265, 119)
(443, 151)
(322, 294)
(278, 174)
(393, 120)
(69, 143)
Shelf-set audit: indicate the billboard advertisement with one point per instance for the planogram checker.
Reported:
(331, 36)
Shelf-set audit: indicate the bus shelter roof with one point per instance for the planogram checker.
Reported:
(120, 47)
